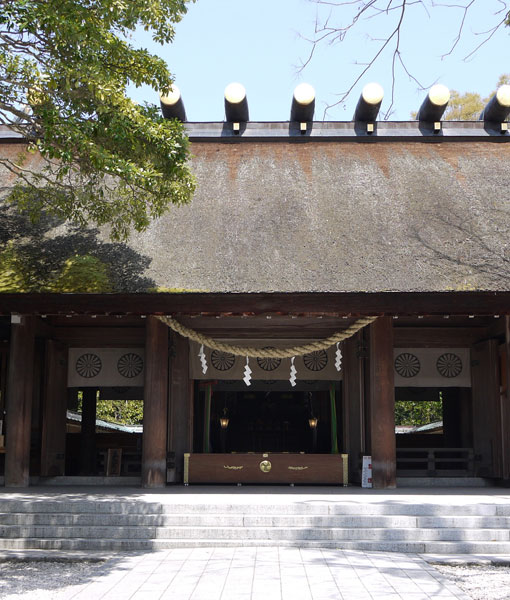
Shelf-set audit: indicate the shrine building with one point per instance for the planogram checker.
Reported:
(323, 273)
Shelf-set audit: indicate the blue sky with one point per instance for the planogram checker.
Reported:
(261, 44)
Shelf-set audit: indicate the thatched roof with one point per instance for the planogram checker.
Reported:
(404, 214)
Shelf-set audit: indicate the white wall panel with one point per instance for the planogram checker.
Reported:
(432, 367)
(103, 367)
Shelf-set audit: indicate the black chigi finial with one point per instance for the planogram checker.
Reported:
(172, 105)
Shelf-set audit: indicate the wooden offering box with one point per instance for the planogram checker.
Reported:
(266, 468)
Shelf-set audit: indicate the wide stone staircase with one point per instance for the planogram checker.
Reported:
(132, 524)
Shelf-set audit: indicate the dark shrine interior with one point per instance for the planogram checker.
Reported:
(265, 420)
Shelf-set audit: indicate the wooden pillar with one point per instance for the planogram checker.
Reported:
(207, 418)
(181, 404)
(487, 418)
(505, 401)
(19, 402)
(333, 418)
(382, 405)
(155, 404)
(53, 441)
(4, 351)
(353, 404)
(37, 390)
(88, 432)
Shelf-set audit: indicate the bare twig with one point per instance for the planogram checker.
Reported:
(326, 32)
(489, 33)
(460, 30)
(385, 44)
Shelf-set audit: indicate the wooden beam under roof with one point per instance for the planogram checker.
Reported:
(438, 337)
(260, 326)
(351, 304)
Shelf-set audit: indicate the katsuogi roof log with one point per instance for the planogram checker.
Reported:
(498, 107)
(303, 103)
(434, 105)
(172, 105)
(369, 103)
(236, 104)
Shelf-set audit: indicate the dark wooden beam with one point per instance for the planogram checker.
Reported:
(505, 400)
(101, 337)
(382, 404)
(155, 404)
(306, 304)
(445, 320)
(437, 337)
(181, 407)
(43, 329)
(496, 329)
(4, 351)
(19, 402)
(100, 320)
(260, 326)
(53, 441)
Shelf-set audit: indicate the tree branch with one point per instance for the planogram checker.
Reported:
(326, 33)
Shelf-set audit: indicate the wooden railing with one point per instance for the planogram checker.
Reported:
(130, 462)
(435, 462)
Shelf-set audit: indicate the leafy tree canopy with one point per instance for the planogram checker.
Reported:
(417, 413)
(464, 107)
(19, 272)
(64, 69)
(124, 412)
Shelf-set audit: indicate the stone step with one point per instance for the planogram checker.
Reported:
(80, 544)
(444, 482)
(105, 524)
(206, 520)
(464, 522)
(85, 480)
(295, 508)
(249, 520)
(275, 534)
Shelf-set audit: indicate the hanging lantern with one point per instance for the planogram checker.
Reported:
(224, 420)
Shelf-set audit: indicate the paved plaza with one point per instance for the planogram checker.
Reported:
(249, 574)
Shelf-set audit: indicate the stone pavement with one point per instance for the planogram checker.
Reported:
(268, 573)
(265, 573)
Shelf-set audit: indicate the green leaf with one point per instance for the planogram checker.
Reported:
(108, 160)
